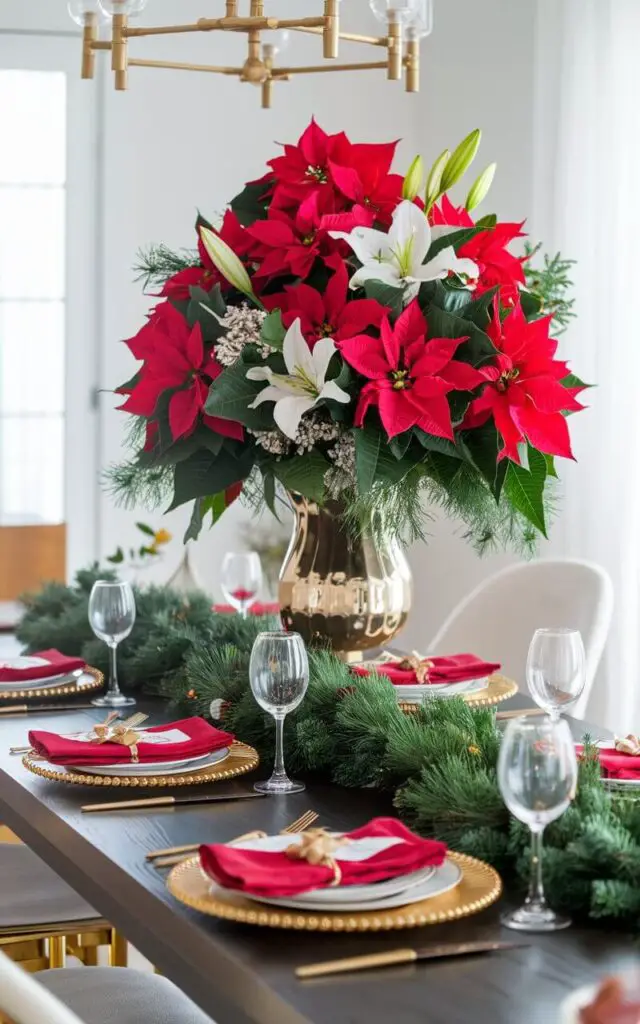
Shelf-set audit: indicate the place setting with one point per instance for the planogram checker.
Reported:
(45, 675)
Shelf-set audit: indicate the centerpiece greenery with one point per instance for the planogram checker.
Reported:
(438, 766)
(349, 333)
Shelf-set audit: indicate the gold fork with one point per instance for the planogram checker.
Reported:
(132, 722)
(174, 854)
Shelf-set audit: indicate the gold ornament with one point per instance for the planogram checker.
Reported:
(317, 847)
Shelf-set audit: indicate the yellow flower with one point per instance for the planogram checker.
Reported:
(474, 750)
(161, 537)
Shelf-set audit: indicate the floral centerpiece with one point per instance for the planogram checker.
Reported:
(357, 337)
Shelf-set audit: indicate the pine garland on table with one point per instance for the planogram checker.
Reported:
(440, 764)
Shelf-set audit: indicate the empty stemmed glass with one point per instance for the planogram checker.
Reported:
(556, 669)
(279, 676)
(537, 774)
(112, 613)
(241, 579)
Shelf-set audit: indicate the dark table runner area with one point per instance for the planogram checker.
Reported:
(240, 974)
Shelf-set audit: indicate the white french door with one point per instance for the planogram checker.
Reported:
(48, 292)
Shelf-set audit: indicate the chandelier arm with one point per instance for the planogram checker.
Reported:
(331, 31)
(394, 44)
(180, 66)
(319, 69)
(226, 25)
(89, 36)
(350, 37)
(412, 66)
(119, 51)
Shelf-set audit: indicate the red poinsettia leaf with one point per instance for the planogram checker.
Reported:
(313, 145)
(435, 417)
(348, 181)
(183, 412)
(366, 355)
(368, 397)
(373, 162)
(548, 432)
(177, 287)
(410, 325)
(445, 213)
(357, 315)
(396, 411)
(461, 376)
(335, 297)
(509, 430)
(549, 396)
(273, 232)
(435, 355)
(227, 428)
(232, 493)
(195, 347)
(479, 411)
(391, 344)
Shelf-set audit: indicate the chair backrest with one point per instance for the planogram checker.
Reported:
(24, 1001)
(498, 618)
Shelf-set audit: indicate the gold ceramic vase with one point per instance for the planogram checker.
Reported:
(349, 594)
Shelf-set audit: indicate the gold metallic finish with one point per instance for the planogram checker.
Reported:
(350, 37)
(57, 951)
(89, 36)
(358, 963)
(178, 66)
(394, 66)
(331, 30)
(77, 687)
(479, 887)
(412, 66)
(241, 759)
(355, 594)
(498, 688)
(119, 43)
(318, 69)
(231, 8)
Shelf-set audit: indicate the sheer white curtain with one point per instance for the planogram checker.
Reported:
(588, 206)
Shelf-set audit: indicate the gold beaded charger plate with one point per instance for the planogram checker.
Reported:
(240, 760)
(498, 688)
(74, 684)
(479, 887)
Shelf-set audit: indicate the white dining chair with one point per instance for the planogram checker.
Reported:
(23, 1000)
(497, 620)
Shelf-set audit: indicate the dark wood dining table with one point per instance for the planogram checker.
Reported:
(245, 975)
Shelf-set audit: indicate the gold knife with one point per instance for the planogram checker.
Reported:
(402, 956)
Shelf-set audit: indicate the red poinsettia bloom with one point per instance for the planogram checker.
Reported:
(207, 275)
(488, 249)
(524, 395)
(365, 179)
(304, 168)
(175, 360)
(291, 243)
(327, 315)
(409, 377)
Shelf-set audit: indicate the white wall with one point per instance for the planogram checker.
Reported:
(177, 141)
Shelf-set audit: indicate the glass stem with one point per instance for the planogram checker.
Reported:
(244, 610)
(536, 897)
(114, 688)
(278, 764)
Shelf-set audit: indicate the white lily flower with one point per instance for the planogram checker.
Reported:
(397, 258)
(302, 388)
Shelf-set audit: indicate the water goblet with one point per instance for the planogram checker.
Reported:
(556, 669)
(537, 775)
(279, 676)
(241, 579)
(112, 613)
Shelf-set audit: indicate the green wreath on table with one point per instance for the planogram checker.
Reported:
(440, 764)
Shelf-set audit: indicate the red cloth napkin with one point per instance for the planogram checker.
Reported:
(276, 874)
(454, 669)
(257, 608)
(57, 664)
(616, 765)
(200, 738)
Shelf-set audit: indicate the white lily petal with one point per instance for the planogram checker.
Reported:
(331, 390)
(259, 373)
(410, 228)
(445, 261)
(289, 411)
(322, 352)
(388, 273)
(296, 351)
(442, 230)
(268, 394)
(367, 243)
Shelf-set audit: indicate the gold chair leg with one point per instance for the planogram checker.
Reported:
(118, 953)
(28, 953)
(57, 951)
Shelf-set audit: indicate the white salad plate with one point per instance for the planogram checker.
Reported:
(157, 768)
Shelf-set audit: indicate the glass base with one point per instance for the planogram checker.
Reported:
(117, 700)
(279, 785)
(535, 918)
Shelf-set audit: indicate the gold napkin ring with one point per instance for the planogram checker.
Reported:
(317, 847)
(421, 666)
(110, 731)
(629, 745)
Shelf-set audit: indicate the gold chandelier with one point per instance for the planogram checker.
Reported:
(406, 22)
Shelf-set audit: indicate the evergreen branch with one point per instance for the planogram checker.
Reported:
(156, 264)
(550, 283)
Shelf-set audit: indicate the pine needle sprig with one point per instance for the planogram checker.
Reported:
(551, 282)
(156, 264)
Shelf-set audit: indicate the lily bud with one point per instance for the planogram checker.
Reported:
(413, 181)
(435, 177)
(225, 260)
(480, 187)
(460, 160)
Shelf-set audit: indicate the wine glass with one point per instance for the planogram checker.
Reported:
(279, 676)
(556, 669)
(112, 613)
(537, 774)
(241, 579)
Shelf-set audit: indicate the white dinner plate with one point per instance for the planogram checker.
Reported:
(576, 1001)
(614, 783)
(397, 892)
(157, 768)
(419, 693)
(23, 662)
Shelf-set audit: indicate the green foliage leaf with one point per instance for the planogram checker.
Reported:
(230, 396)
(273, 330)
(571, 381)
(269, 485)
(488, 221)
(551, 466)
(116, 558)
(204, 473)
(454, 238)
(386, 295)
(368, 440)
(531, 304)
(479, 348)
(483, 443)
(438, 444)
(304, 474)
(144, 528)
(250, 205)
(525, 487)
(399, 445)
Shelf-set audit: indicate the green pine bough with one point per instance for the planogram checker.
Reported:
(439, 765)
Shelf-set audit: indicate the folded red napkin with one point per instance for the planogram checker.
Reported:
(615, 764)
(454, 669)
(277, 874)
(257, 608)
(57, 664)
(189, 737)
